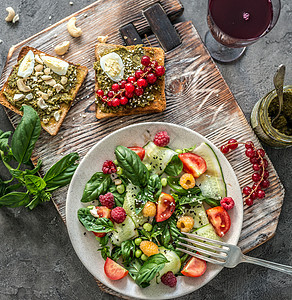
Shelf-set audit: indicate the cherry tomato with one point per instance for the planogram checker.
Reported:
(220, 219)
(165, 207)
(113, 270)
(195, 267)
(103, 212)
(193, 164)
(139, 151)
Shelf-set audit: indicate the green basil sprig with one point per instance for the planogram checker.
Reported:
(150, 268)
(128, 251)
(97, 185)
(150, 193)
(37, 189)
(26, 135)
(174, 167)
(94, 224)
(132, 166)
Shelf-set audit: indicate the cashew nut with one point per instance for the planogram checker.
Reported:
(18, 97)
(62, 48)
(22, 86)
(38, 68)
(11, 14)
(15, 19)
(58, 87)
(38, 59)
(46, 77)
(47, 71)
(72, 29)
(64, 80)
(102, 38)
(51, 82)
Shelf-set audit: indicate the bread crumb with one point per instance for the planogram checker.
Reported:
(1, 41)
(125, 37)
(102, 38)
(71, 3)
(50, 17)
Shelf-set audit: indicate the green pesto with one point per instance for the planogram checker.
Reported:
(132, 63)
(284, 123)
(55, 100)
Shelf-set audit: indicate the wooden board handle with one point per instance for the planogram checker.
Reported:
(130, 35)
(162, 27)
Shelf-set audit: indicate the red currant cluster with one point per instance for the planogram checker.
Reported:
(259, 165)
(121, 92)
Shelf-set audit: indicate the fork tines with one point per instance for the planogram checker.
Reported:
(212, 250)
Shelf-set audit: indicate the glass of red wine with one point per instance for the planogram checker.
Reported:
(235, 24)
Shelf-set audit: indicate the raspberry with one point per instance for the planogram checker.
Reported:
(227, 203)
(169, 279)
(149, 209)
(185, 224)
(109, 167)
(107, 200)
(161, 139)
(118, 214)
(149, 248)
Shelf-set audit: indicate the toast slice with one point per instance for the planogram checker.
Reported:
(159, 102)
(52, 126)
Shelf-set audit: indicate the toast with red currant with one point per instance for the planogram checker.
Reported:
(129, 80)
(44, 82)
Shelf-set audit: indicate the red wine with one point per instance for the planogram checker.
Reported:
(242, 19)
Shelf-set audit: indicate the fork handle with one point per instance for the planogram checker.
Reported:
(267, 264)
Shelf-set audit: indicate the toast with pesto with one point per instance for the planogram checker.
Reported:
(44, 82)
(114, 67)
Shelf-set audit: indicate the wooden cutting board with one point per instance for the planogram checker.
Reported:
(197, 97)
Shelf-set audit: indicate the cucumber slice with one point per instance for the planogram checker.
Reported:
(157, 157)
(207, 231)
(212, 182)
(129, 205)
(123, 231)
(199, 215)
(173, 265)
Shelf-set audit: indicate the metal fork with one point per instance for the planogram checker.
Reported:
(223, 254)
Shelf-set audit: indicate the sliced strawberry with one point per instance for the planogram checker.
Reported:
(220, 219)
(193, 164)
(165, 207)
(195, 267)
(113, 270)
(139, 151)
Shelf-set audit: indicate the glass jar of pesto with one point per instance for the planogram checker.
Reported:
(262, 115)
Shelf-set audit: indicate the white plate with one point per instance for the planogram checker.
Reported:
(86, 245)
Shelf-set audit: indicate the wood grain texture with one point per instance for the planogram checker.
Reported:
(197, 97)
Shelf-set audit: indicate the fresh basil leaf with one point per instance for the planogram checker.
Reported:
(34, 184)
(2, 188)
(36, 200)
(119, 198)
(173, 182)
(128, 251)
(94, 224)
(103, 240)
(13, 187)
(150, 268)
(105, 252)
(35, 170)
(4, 136)
(212, 202)
(60, 174)
(174, 167)
(116, 253)
(132, 166)
(187, 199)
(170, 232)
(134, 268)
(26, 134)
(150, 193)
(15, 199)
(97, 185)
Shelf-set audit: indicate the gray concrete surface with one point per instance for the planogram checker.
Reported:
(37, 260)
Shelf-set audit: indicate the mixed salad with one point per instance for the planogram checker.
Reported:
(145, 198)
